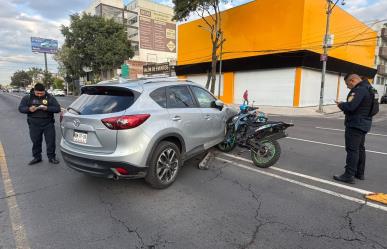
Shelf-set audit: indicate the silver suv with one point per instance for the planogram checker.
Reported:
(143, 128)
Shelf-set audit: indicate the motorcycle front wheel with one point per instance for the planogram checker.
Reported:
(229, 143)
(267, 155)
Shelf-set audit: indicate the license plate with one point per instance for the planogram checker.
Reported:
(80, 137)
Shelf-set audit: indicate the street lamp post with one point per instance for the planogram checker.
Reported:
(324, 56)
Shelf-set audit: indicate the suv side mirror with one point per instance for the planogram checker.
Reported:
(218, 104)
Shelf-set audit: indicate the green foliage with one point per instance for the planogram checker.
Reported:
(21, 79)
(209, 11)
(184, 8)
(47, 79)
(34, 72)
(95, 42)
(58, 83)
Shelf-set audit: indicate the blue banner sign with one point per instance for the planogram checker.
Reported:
(42, 45)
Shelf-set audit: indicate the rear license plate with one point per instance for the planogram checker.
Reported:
(80, 137)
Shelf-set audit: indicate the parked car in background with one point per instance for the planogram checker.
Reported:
(143, 128)
(383, 99)
(58, 92)
(13, 90)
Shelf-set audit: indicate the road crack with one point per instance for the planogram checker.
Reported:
(218, 173)
(29, 192)
(359, 236)
(356, 232)
(108, 209)
(159, 242)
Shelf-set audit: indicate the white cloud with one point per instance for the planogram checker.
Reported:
(17, 25)
(367, 12)
(21, 19)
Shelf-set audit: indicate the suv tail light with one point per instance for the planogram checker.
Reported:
(125, 122)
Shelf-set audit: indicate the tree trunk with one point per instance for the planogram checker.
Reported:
(208, 79)
(213, 68)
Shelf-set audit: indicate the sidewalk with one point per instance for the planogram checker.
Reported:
(298, 111)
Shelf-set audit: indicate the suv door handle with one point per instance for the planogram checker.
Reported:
(176, 118)
(207, 117)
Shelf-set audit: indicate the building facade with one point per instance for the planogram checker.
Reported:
(273, 49)
(150, 29)
(381, 59)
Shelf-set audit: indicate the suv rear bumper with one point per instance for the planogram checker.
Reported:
(103, 168)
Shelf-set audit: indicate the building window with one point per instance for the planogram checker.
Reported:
(133, 20)
(379, 80)
(113, 13)
(132, 35)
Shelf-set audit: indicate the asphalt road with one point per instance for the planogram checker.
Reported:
(294, 204)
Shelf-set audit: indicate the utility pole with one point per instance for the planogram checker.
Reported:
(220, 63)
(45, 61)
(324, 56)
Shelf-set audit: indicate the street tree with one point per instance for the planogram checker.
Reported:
(209, 11)
(21, 79)
(93, 42)
(34, 72)
(58, 83)
(48, 80)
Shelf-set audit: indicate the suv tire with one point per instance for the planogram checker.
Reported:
(164, 165)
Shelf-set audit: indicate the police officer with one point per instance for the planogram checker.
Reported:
(40, 108)
(357, 123)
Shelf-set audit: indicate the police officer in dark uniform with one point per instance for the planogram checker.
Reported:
(40, 108)
(357, 124)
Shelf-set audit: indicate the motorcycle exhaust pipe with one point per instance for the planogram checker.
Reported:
(275, 136)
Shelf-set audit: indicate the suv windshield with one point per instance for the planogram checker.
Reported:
(103, 100)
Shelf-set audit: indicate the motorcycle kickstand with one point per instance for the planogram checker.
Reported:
(204, 164)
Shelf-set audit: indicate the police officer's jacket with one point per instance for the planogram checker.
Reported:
(358, 106)
(33, 100)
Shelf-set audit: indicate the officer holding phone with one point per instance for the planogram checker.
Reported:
(40, 108)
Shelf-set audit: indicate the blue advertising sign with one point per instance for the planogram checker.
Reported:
(42, 45)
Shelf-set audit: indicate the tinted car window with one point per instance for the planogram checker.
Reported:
(179, 97)
(205, 99)
(160, 96)
(102, 100)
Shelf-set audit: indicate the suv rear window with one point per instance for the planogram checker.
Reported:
(103, 100)
(160, 96)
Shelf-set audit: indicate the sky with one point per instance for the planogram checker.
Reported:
(21, 19)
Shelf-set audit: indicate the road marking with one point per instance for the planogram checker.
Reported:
(346, 197)
(14, 212)
(332, 129)
(334, 145)
(357, 190)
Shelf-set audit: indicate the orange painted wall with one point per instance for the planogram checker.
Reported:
(297, 87)
(258, 25)
(228, 88)
(347, 31)
(263, 27)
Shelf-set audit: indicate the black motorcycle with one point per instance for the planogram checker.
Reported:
(251, 129)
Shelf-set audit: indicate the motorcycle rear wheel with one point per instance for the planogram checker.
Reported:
(268, 155)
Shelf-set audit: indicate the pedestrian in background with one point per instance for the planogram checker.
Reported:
(40, 108)
(358, 121)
